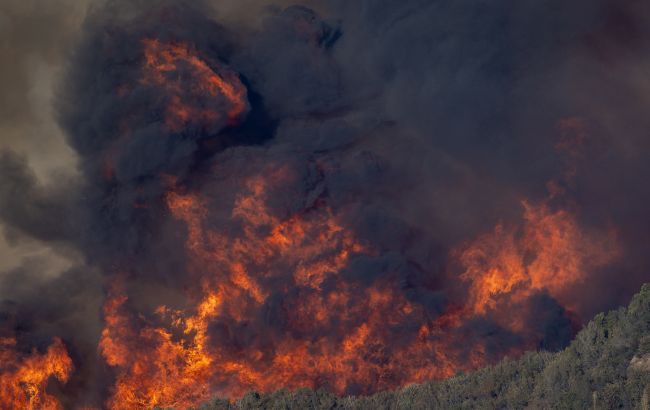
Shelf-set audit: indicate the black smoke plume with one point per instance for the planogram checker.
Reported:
(420, 125)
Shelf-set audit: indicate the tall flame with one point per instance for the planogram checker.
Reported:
(547, 253)
(182, 364)
(24, 378)
(346, 335)
(277, 303)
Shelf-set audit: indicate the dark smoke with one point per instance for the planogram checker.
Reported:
(421, 123)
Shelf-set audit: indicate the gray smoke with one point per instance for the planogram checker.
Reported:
(421, 123)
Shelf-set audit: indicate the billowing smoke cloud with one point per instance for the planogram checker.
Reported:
(347, 195)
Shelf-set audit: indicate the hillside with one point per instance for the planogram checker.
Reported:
(607, 366)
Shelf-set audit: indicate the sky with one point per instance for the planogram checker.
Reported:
(36, 37)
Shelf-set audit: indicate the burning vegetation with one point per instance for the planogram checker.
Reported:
(182, 358)
(242, 250)
(24, 377)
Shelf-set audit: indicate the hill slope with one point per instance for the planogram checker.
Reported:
(607, 366)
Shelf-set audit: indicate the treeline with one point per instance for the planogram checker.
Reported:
(607, 366)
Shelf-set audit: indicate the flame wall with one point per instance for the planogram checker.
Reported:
(353, 196)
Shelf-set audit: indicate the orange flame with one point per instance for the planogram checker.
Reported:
(335, 333)
(23, 380)
(197, 93)
(548, 253)
(181, 365)
(192, 86)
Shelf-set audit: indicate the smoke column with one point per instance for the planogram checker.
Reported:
(351, 196)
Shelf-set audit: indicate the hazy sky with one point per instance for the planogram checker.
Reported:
(35, 37)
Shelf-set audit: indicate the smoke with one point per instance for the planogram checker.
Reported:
(330, 194)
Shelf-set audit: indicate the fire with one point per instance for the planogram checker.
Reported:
(277, 298)
(24, 379)
(280, 300)
(198, 93)
(183, 363)
(335, 332)
(167, 377)
(548, 252)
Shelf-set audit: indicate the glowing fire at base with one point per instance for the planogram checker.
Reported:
(235, 274)
(23, 379)
(336, 333)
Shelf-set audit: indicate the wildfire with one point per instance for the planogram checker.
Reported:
(195, 93)
(23, 379)
(279, 300)
(237, 275)
(199, 94)
(547, 253)
(335, 332)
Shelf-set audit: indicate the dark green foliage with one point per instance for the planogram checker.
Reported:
(594, 372)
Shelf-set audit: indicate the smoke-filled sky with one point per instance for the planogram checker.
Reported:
(37, 38)
(314, 194)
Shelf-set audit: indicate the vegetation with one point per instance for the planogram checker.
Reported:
(607, 366)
